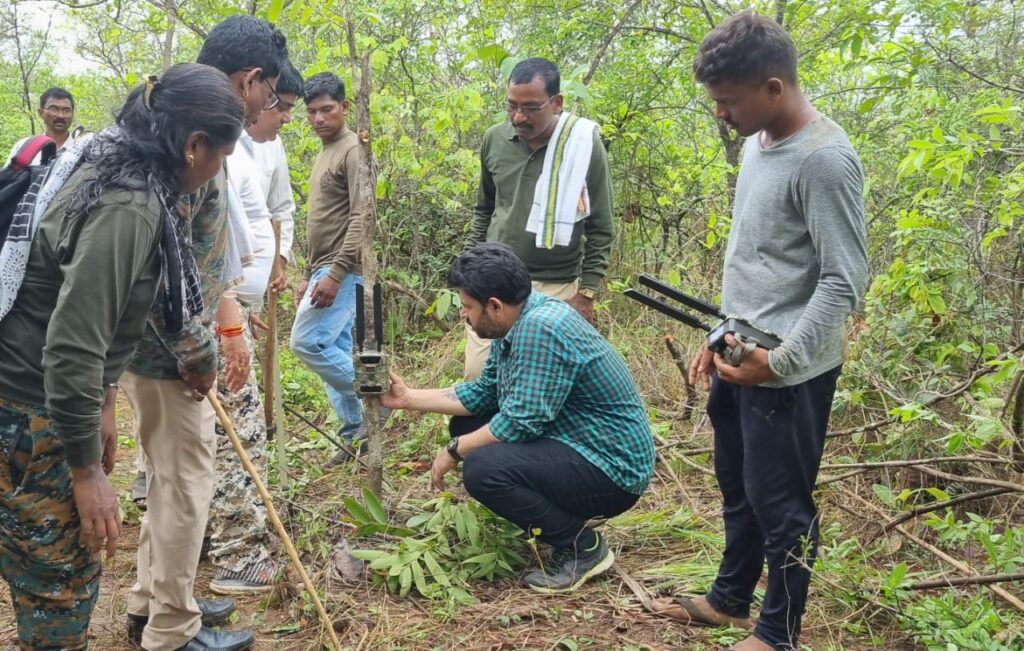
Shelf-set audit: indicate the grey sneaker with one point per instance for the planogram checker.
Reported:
(254, 579)
(567, 570)
(354, 439)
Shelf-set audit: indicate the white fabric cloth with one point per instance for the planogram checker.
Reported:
(14, 251)
(560, 198)
(246, 178)
(241, 245)
(275, 181)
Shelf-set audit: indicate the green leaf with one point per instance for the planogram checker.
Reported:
(896, 576)
(357, 511)
(493, 54)
(506, 66)
(420, 580)
(567, 643)
(367, 554)
(274, 11)
(482, 558)
(375, 507)
(384, 562)
(436, 570)
(405, 581)
(443, 303)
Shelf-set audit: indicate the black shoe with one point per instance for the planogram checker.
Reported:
(567, 570)
(208, 639)
(215, 612)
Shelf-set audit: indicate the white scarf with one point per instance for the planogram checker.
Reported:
(560, 199)
(14, 251)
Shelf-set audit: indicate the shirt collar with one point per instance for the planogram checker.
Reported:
(533, 300)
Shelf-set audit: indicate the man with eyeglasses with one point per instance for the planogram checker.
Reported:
(169, 376)
(239, 541)
(57, 111)
(512, 160)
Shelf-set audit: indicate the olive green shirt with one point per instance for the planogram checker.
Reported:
(334, 221)
(89, 283)
(508, 177)
(164, 355)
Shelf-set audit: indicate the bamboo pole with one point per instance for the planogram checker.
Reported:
(273, 406)
(289, 547)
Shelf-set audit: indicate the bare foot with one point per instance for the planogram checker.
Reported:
(696, 611)
(751, 643)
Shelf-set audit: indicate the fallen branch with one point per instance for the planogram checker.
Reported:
(938, 553)
(965, 580)
(938, 506)
(917, 462)
(980, 481)
(824, 481)
(638, 590)
(684, 370)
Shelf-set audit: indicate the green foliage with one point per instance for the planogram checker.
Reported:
(929, 92)
(440, 550)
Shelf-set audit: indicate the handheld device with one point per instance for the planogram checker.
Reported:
(745, 332)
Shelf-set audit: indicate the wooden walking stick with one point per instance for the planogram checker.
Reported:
(272, 512)
(272, 399)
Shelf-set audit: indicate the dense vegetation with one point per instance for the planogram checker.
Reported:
(929, 91)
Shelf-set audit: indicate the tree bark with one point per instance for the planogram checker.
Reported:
(362, 76)
(172, 21)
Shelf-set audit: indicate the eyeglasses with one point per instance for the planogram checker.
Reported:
(284, 107)
(525, 109)
(59, 110)
(274, 98)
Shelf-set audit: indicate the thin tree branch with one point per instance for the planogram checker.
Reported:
(606, 43)
(938, 506)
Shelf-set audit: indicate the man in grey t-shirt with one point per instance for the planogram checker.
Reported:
(796, 264)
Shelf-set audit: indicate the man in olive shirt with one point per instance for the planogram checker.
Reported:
(511, 161)
(322, 332)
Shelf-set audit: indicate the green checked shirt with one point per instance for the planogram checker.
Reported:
(553, 375)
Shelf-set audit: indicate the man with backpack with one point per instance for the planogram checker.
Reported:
(57, 111)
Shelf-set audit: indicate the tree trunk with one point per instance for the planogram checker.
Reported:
(172, 22)
(362, 76)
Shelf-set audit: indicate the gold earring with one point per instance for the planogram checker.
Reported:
(245, 93)
(191, 160)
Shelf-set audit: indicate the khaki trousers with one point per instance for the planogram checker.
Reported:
(177, 435)
(478, 349)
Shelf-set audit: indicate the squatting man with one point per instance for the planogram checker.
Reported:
(554, 431)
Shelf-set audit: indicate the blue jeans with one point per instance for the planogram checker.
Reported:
(322, 338)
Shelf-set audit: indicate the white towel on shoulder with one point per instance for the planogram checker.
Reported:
(560, 199)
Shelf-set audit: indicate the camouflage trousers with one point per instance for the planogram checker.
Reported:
(54, 581)
(238, 520)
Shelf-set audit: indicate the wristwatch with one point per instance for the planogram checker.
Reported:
(588, 293)
(453, 449)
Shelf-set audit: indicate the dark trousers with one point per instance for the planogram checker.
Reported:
(543, 484)
(768, 446)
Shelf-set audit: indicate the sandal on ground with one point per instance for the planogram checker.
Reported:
(693, 616)
(139, 491)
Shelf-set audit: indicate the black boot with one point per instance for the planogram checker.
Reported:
(215, 612)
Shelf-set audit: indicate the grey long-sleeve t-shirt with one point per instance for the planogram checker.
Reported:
(796, 261)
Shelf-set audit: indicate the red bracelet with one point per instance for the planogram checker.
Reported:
(231, 331)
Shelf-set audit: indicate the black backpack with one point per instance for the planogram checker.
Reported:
(20, 175)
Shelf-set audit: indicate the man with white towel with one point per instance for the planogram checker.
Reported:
(545, 191)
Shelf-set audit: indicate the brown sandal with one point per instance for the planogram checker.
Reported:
(694, 617)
